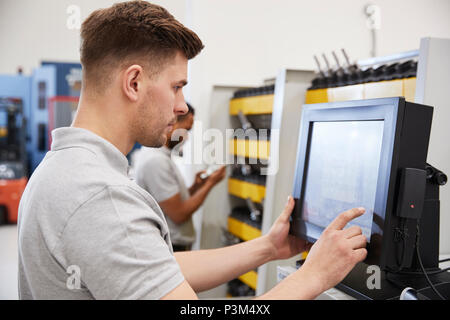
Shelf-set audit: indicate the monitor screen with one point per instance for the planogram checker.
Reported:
(342, 171)
(352, 154)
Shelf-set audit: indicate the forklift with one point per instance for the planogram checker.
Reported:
(13, 158)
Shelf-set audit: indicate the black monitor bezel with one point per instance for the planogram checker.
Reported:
(386, 109)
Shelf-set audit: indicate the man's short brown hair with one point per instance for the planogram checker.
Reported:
(134, 30)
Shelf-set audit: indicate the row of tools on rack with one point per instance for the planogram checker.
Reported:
(348, 73)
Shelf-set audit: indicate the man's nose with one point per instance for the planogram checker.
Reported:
(181, 108)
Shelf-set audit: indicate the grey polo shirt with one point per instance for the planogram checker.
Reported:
(159, 175)
(86, 231)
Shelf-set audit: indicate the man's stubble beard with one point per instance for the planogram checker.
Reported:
(148, 134)
(148, 137)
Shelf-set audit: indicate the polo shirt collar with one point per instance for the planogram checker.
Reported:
(106, 152)
(166, 151)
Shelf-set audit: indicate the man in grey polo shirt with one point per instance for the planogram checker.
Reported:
(80, 212)
(157, 173)
(87, 232)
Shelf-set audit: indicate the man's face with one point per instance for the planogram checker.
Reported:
(161, 103)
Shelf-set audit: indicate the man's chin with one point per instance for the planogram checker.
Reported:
(162, 141)
(156, 143)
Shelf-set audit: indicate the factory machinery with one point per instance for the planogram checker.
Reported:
(251, 115)
(392, 76)
(43, 101)
(251, 109)
(252, 201)
(13, 158)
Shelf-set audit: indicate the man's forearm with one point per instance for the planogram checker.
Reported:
(206, 269)
(300, 285)
(195, 201)
(193, 189)
(180, 211)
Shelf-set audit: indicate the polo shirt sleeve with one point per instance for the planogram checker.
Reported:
(121, 247)
(158, 177)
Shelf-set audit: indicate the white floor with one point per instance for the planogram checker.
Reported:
(8, 262)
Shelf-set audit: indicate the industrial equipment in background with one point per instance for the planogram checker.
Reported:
(13, 158)
(417, 76)
(390, 76)
(235, 287)
(414, 75)
(49, 96)
(55, 90)
(262, 118)
(48, 100)
(251, 116)
(389, 178)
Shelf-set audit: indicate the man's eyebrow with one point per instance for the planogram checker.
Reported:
(182, 82)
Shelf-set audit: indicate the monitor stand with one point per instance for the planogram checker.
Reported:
(361, 283)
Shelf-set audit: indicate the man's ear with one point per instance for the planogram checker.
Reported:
(132, 82)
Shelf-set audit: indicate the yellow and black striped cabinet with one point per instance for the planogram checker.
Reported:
(251, 112)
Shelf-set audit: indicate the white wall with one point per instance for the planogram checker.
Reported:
(248, 41)
(35, 30)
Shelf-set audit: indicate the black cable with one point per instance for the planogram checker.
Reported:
(400, 235)
(422, 267)
(444, 260)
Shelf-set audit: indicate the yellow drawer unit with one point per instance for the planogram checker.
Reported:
(316, 96)
(382, 89)
(249, 148)
(245, 190)
(242, 230)
(250, 278)
(261, 104)
(409, 88)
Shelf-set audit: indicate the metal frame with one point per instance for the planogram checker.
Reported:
(365, 63)
(385, 109)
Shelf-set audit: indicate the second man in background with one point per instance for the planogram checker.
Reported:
(157, 173)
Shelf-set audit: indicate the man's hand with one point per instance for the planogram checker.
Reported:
(285, 245)
(217, 175)
(198, 182)
(337, 251)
